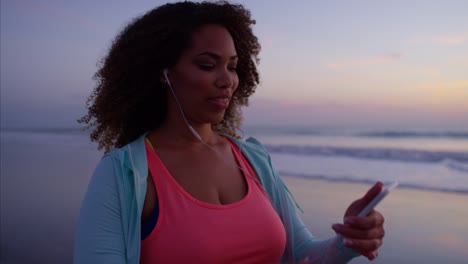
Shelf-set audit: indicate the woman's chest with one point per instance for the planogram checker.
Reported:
(210, 180)
(214, 174)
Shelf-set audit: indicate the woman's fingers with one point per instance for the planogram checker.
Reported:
(372, 192)
(373, 220)
(367, 247)
(369, 227)
(359, 204)
(363, 234)
(376, 233)
(372, 255)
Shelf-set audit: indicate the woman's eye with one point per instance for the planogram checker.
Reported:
(209, 67)
(206, 67)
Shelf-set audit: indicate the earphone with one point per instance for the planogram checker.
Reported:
(194, 132)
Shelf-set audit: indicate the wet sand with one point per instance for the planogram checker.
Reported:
(421, 226)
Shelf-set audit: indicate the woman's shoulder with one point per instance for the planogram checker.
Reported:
(130, 157)
(133, 149)
(251, 144)
(258, 157)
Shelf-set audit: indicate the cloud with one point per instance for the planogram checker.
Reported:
(436, 95)
(375, 112)
(365, 61)
(442, 40)
(450, 40)
(445, 86)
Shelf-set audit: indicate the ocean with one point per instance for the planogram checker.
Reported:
(434, 160)
(44, 174)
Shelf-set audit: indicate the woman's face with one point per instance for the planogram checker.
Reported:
(205, 77)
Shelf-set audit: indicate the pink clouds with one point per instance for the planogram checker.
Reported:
(365, 61)
(365, 113)
(442, 40)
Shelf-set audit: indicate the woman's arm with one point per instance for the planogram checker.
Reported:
(307, 247)
(99, 235)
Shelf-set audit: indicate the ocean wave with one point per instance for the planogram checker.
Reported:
(460, 134)
(412, 134)
(350, 179)
(461, 167)
(44, 130)
(393, 154)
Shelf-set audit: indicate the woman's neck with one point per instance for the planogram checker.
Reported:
(179, 134)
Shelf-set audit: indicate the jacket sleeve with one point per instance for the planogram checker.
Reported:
(99, 236)
(307, 246)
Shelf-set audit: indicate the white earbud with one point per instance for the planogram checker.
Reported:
(166, 78)
(194, 132)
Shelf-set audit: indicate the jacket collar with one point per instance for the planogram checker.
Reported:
(137, 155)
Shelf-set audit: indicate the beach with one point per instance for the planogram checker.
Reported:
(421, 226)
(44, 177)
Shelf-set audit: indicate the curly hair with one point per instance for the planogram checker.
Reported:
(129, 98)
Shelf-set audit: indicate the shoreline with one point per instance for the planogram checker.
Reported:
(366, 182)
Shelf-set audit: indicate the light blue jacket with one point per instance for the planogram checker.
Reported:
(109, 226)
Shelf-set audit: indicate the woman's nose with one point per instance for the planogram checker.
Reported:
(225, 79)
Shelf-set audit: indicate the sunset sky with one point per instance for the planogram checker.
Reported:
(323, 63)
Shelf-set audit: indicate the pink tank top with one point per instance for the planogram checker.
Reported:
(191, 231)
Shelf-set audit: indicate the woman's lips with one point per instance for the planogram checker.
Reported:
(221, 103)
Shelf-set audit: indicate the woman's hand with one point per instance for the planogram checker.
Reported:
(363, 234)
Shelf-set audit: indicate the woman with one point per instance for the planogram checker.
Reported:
(177, 185)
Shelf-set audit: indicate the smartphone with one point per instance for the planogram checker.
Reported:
(385, 191)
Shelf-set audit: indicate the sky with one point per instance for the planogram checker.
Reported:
(323, 63)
